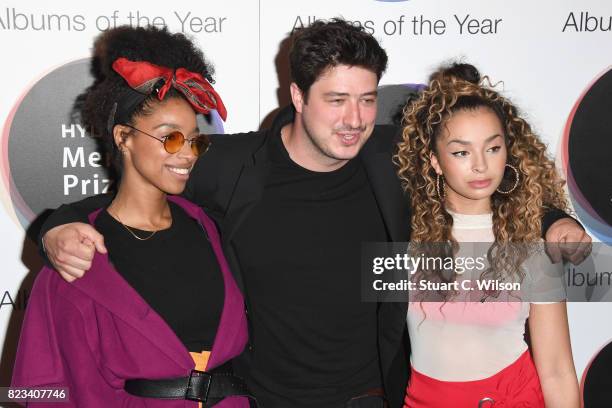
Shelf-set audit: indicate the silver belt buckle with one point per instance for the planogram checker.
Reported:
(482, 402)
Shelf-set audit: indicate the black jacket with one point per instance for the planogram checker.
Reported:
(231, 180)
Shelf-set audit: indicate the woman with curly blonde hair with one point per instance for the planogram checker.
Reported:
(476, 172)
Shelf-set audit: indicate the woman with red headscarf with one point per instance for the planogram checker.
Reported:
(157, 320)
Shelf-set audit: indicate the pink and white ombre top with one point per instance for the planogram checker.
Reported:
(466, 341)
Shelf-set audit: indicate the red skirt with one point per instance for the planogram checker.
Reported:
(516, 386)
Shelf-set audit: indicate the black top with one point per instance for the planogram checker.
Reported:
(314, 340)
(175, 271)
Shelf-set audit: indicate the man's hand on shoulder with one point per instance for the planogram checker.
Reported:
(565, 239)
(71, 247)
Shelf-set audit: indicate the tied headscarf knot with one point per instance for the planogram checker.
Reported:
(145, 78)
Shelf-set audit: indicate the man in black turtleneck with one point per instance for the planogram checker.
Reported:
(294, 203)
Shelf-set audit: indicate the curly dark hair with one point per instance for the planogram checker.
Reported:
(151, 44)
(322, 45)
(516, 216)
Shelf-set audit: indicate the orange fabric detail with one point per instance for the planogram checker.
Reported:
(201, 362)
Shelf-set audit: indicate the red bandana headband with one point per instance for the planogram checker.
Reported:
(145, 78)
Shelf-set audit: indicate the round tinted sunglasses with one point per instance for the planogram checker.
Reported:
(173, 142)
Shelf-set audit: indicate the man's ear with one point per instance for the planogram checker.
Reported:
(297, 97)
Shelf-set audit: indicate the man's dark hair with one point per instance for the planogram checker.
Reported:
(326, 44)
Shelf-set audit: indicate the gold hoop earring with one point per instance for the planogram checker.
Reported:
(440, 180)
(516, 181)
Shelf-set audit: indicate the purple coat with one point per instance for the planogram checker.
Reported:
(93, 334)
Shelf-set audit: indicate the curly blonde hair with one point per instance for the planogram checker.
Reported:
(516, 216)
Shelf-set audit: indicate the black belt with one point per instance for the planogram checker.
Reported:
(202, 386)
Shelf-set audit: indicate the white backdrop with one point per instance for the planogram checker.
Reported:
(547, 53)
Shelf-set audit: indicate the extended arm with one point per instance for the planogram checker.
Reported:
(552, 354)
